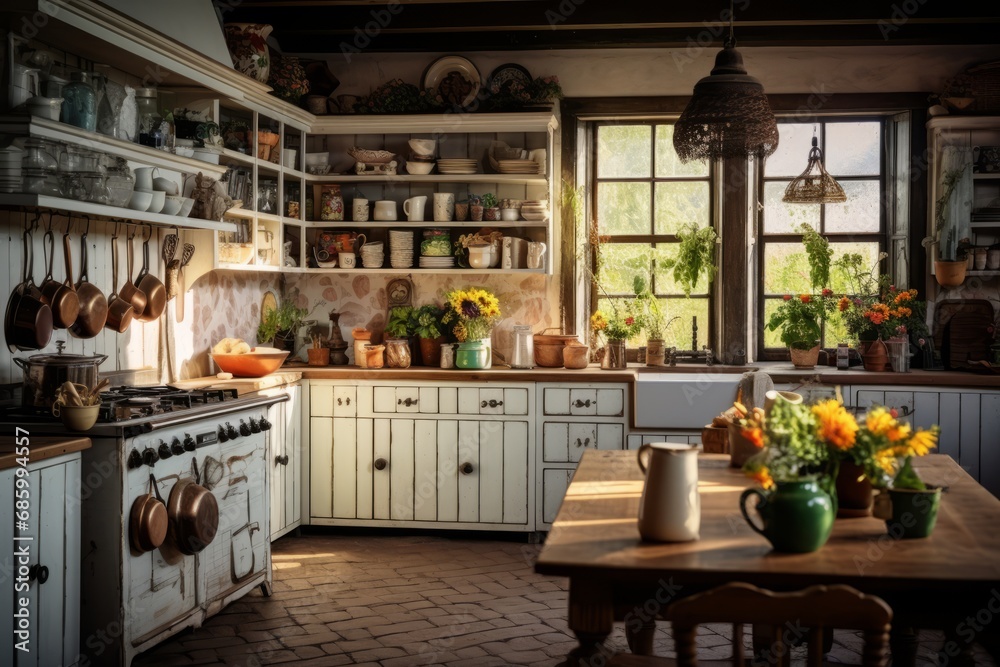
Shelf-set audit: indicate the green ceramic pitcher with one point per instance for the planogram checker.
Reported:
(797, 516)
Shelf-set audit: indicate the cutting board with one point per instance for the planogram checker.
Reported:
(241, 385)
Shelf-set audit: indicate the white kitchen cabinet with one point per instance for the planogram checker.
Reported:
(423, 455)
(566, 427)
(284, 461)
(53, 580)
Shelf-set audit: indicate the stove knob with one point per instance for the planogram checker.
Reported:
(244, 429)
(134, 459)
(223, 436)
(149, 456)
(264, 424)
(254, 426)
(231, 432)
(176, 447)
(164, 450)
(189, 444)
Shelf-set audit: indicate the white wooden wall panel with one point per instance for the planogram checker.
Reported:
(515, 472)
(555, 481)
(425, 470)
(321, 400)
(384, 399)
(293, 448)
(448, 400)
(491, 471)
(428, 400)
(447, 470)
(366, 471)
(345, 468)
(468, 400)
(401, 470)
(276, 439)
(925, 409)
(321, 467)
(555, 441)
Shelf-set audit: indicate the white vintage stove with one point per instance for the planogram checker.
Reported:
(146, 435)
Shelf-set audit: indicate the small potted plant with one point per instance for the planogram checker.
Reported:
(491, 207)
(695, 256)
(402, 324)
(509, 210)
(653, 320)
(957, 95)
(430, 330)
(475, 208)
(278, 325)
(950, 266)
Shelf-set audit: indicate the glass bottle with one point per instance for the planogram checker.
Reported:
(397, 353)
(149, 117)
(79, 106)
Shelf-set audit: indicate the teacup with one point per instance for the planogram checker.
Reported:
(348, 260)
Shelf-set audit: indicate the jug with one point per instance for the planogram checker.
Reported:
(797, 516)
(23, 84)
(535, 252)
(523, 353)
(670, 509)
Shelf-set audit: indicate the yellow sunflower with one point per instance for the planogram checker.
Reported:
(836, 425)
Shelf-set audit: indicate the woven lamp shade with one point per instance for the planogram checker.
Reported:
(728, 115)
(814, 185)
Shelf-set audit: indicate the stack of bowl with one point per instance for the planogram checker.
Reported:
(549, 349)
(10, 168)
(421, 161)
(318, 163)
(535, 210)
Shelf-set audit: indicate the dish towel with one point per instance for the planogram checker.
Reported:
(753, 386)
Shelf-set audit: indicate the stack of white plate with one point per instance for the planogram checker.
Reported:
(518, 166)
(437, 262)
(401, 248)
(458, 166)
(10, 169)
(535, 210)
(372, 255)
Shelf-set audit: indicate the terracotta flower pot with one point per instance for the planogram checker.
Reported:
(950, 274)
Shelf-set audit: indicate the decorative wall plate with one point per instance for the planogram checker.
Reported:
(505, 76)
(455, 78)
(267, 304)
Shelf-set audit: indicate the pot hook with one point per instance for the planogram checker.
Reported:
(156, 490)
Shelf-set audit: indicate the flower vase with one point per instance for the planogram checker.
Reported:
(797, 516)
(804, 358)
(655, 351)
(914, 513)
(247, 44)
(472, 355)
(854, 491)
(614, 355)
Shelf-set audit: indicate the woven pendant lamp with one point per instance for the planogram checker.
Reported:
(728, 115)
(814, 185)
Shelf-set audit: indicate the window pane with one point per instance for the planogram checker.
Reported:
(786, 269)
(623, 208)
(835, 332)
(620, 264)
(869, 252)
(860, 213)
(624, 151)
(667, 163)
(664, 279)
(678, 333)
(678, 203)
(771, 338)
(781, 218)
(852, 149)
(792, 155)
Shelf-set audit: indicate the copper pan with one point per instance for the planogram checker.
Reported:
(129, 292)
(119, 310)
(28, 322)
(93, 304)
(148, 521)
(194, 514)
(151, 287)
(60, 296)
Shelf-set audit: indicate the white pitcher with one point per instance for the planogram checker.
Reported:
(670, 510)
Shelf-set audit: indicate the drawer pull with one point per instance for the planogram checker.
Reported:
(380, 464)
(579, 443)
(39, 572)
(281, 460)
(340, 401)
(583, 404)
(586, 442)
(483, 404)
(466, 468)
(348, 400)
(492, 403)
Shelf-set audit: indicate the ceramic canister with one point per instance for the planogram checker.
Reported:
(670, 509)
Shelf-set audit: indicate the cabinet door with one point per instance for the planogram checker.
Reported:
(401, 469)
(447, 470)
(345, 403)
(276, 448)
(425, 470)
(365, 429)
(293, 450)
(555, 481)
(491, 471)
(468, 471)
(345, 468)
(320, 467)
(381, 466)
(515, 472)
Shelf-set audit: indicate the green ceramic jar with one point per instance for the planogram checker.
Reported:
(914, 513)
(472, 354)
(797, 516)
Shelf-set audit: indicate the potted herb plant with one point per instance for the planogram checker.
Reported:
(695, 256)
(402, 324)
(949, 267)
(475, 208)
(653, 320)
(491, 207)
(278, 325)
(430, 330)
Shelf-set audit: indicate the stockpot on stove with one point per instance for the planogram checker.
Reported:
(44, 373)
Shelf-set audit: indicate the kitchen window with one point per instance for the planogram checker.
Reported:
(853, 154)
(642, 195)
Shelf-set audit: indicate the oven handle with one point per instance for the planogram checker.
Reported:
(181, 418)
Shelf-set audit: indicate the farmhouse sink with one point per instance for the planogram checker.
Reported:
(688, 399)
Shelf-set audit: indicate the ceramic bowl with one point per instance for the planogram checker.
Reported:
(157, 198)
(140, 201)
(317, 159)
(419, 168)
(45, 107)
(165, 185)
(423, 146)
(369, 156)
(186, 207)
(254, 364)
(172, 204)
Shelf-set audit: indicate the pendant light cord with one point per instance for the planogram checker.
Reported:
(731, 42)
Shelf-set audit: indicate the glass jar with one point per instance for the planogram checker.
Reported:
(614, 355)
(149, 117)
(331, 203)
(447, 355)
(397, 353)
(267, 197)
(79, 106)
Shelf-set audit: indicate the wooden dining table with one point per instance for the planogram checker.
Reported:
(949, 581)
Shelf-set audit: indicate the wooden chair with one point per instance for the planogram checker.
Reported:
(805, 614)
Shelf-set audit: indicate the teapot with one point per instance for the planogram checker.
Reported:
(670, 509)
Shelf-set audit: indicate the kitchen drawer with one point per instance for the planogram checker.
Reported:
(584, 402)
(492, 401)
(327, 400)
(406, 400)
(564, 442)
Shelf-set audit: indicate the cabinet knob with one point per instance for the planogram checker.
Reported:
(494, 403)
(484, 404)
(39, 572)
(281, 460)
(580, 403)
(340, 401)
(380, 464)
(466, 468)
(586, 442)
(579, 443)
(348, 400)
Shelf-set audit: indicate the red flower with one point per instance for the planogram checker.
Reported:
(629, 321)
(827, 291)
(787, 297)
(805, 298)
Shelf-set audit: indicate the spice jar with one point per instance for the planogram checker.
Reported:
(373, 356)
(397, 353)
(332, 203)
(362, 337)
(447, 355)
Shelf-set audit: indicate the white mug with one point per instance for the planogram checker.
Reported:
(414, 208)
(360, 210)
(348, 260)
(444, 206)
(385, 209)
(535, 252)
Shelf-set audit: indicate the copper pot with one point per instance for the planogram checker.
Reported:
(60, 296)
(194, 514)
(151, 287)
(120, 311)
(129, 293)
(93, 305)
(28, 322)
(148, 521)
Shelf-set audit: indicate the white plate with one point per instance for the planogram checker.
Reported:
(440, 69)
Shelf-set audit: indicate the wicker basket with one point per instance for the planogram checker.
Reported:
(715, 439)
(985, 82)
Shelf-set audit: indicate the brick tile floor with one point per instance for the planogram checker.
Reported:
(399, 600)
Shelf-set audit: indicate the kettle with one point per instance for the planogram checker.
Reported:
(670, 509)
(523, 353)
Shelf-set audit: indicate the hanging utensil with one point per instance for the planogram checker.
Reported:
(129, 292)
(120, 311)
(61, 297)
(148, 520)
(194, 514)
(28, 324)
(169, 248)
(93, 313)
(150, 286)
